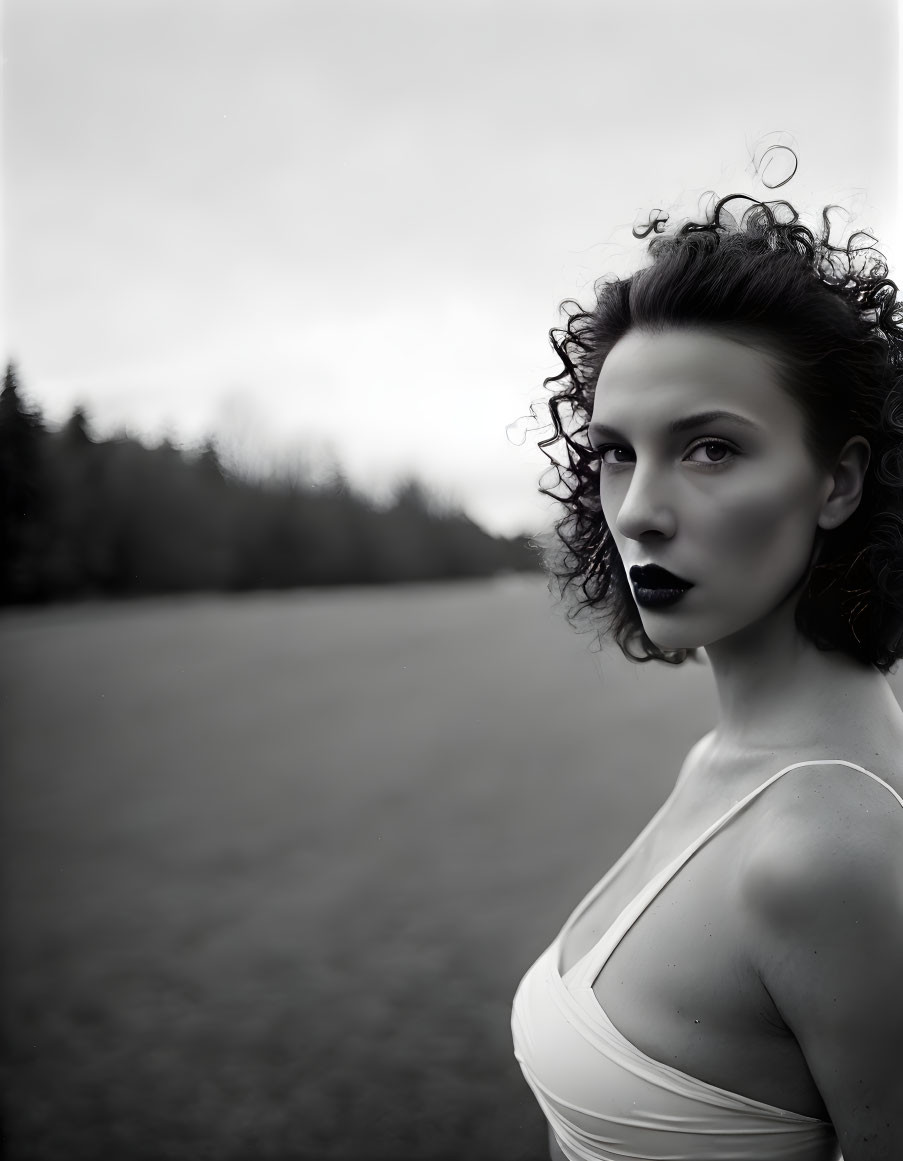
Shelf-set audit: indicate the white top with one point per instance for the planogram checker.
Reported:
(608, 1101)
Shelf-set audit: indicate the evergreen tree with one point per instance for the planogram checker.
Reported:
(75, 429)
(23, 495)
(208, 462)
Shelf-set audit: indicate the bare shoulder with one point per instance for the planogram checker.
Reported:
(826, 824)
(822, 892)
(827, 858)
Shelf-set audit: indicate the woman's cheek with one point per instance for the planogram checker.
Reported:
(776, 515)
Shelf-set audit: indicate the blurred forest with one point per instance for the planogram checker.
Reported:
(81, 517)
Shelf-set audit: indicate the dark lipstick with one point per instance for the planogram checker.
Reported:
(655, 587)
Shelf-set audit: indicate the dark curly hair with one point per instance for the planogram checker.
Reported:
(831, 317)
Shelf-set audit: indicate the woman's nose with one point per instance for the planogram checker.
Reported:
(647, 508)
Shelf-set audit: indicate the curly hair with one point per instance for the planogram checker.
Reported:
(831, 317)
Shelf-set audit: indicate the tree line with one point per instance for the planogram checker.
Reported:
(86, 517)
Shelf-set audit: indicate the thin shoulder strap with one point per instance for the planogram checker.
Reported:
(595, 960)
(861, 769)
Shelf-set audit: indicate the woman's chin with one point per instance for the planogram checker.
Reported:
(670, 635)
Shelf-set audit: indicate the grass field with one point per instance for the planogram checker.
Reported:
(273, 865)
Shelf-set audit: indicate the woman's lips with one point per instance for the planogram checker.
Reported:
(653, 576)
(655, 587)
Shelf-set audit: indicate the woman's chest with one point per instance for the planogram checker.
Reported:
(721, 809)
(681, 986)
(674, 972)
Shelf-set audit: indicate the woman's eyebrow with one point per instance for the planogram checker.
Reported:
(687, 423)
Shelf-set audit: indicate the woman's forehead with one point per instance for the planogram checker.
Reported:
(653, 376)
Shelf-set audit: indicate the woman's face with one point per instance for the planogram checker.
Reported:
(704, 473)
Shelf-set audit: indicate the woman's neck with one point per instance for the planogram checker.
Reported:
(777, 691)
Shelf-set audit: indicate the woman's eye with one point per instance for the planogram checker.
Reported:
(712, 451)
(614, 453)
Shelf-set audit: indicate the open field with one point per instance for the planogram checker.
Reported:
(273, 865)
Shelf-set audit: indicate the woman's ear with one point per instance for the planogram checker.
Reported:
(846, 483)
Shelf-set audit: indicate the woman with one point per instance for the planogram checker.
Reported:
(732, 416)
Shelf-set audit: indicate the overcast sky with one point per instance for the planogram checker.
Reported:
(304, 225)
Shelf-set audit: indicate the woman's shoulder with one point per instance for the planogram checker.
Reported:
(844, 788)
(829, 826)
